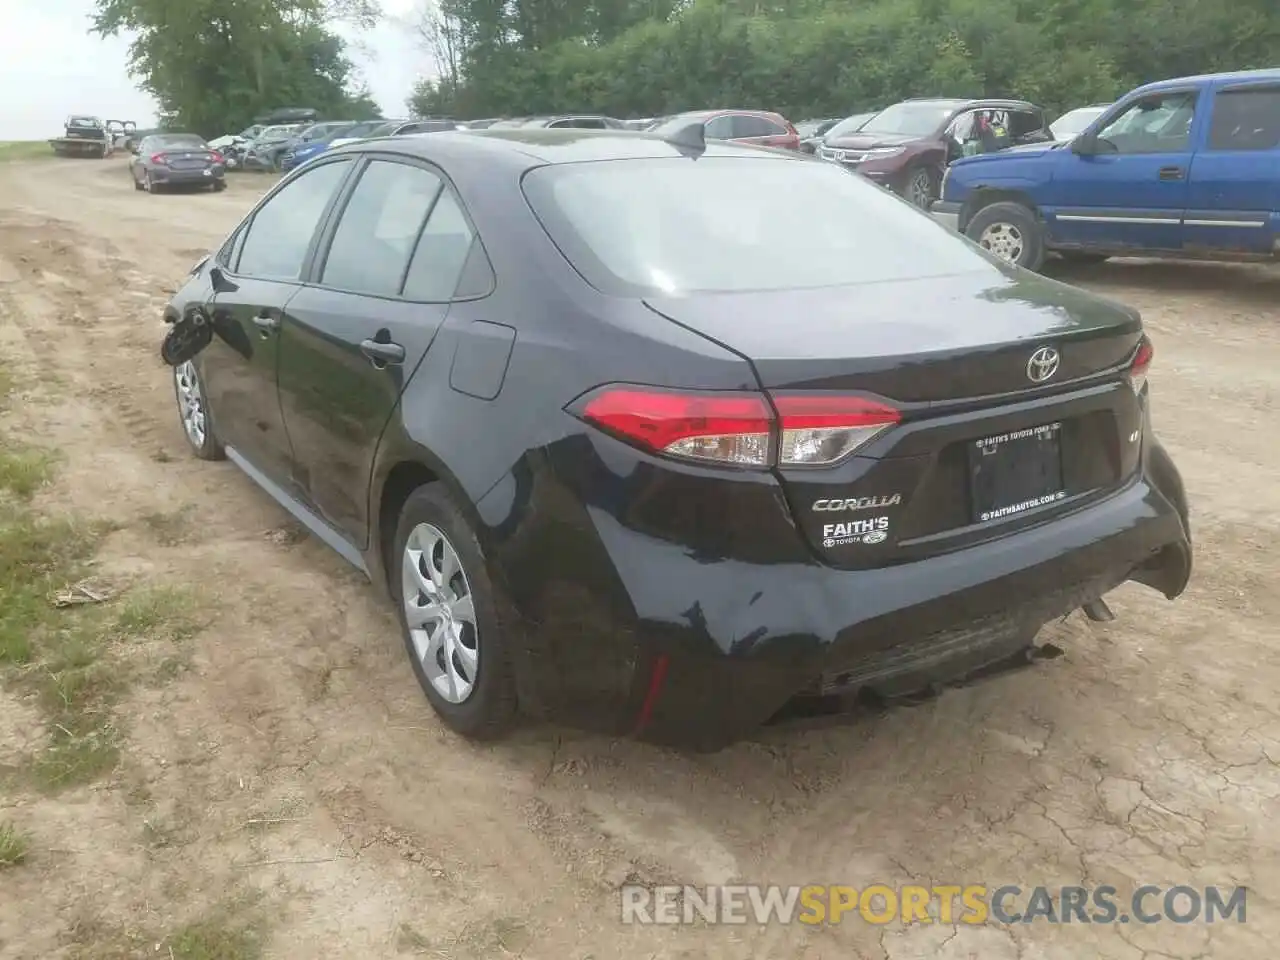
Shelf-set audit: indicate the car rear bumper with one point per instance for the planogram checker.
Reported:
(206, 175)
(697, 651)
(947, 214)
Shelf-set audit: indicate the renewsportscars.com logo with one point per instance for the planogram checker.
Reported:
(974, 904)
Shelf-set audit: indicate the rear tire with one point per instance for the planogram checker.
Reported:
(1010, 231)
(219, 186)
(460, 660)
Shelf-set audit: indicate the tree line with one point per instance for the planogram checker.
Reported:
(215, 65)
(812, 58)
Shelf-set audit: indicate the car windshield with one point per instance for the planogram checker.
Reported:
(341, 130)
(171, 140)
(917, 119)
(736, 224)
(850, 125)
(380, 130)
(1074, 122)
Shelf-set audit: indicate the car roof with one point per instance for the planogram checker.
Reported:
(962, 103)
(522, 148)
(1238, 76)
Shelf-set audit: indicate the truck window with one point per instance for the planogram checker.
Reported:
(1245, 119)
(1160, 123)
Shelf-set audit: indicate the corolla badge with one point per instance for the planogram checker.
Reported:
(1042, 365)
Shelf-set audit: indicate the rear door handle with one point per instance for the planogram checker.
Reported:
(382, 354)
(1170, 173)
(267, 323)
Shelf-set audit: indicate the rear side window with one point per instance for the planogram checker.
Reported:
(731, 224)
(379, 227)
(1245, 119)
(275, 246)
(442, 252)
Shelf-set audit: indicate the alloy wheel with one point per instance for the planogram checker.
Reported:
(1004, 240)
(191, 403)
(919, 190)
(440, 613)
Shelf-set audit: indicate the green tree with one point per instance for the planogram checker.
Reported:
(213, 65)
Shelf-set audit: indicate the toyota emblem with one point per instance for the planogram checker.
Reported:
(1042, 365)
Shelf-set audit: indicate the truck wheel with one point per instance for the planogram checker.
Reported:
(1010, 231)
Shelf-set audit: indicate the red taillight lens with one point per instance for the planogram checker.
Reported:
(737, 428)
(820, 429)
(159, 158)
(732, 428)
(1141, 364)
(215, 156)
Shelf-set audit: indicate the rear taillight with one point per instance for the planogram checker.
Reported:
(1140, 364)
(739, 429)
(159, 158)
(820, 429)
(215, 157)
(732, 428)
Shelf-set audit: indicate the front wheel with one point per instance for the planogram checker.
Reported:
(1009, 231)
(193, 412)
(921, 188)
(448, 616)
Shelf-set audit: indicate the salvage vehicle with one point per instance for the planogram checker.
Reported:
(166, 160)
(1183, 169)
(906, 147)
(83, 136)
(533, 384)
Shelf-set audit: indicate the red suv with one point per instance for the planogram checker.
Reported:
(757, 127)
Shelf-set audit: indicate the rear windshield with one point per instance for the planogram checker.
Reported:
(731, 224)
(178, 140)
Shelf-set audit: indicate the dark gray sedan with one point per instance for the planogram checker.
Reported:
(176, 159)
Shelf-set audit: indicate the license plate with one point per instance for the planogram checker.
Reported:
(1013, 472)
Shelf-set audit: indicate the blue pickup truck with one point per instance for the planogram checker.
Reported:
(1186, 168)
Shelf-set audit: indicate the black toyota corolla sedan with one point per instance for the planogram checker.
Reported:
(667, 437)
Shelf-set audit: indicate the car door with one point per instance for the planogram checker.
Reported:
(263, 267)
(1132, 192)
(1234, 188)
(354, 335)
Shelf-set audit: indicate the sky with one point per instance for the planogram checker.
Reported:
(50, 67)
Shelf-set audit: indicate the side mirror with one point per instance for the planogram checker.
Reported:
(220, 281)
(1085, 145)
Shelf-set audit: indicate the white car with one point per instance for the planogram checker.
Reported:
(1074, 122)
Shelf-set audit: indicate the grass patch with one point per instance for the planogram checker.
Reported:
(13, 846)
(23, 470)
(219, 935)
(160, 613)
(216, 939)
(24, 150)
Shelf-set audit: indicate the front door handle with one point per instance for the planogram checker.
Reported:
(1170, 173)
(267, 323)
(382, 354)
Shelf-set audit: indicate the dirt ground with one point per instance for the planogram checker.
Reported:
(293, 774)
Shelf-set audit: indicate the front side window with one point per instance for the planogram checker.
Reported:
(732, 224)
(379, 226)
(1245, 119)
(275, 246)
(719, 128)
(1160, 123)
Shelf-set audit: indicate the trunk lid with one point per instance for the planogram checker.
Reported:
(954, 355)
